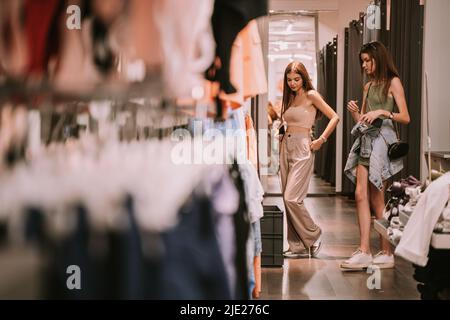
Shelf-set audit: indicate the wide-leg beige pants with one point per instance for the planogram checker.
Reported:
(296, 167)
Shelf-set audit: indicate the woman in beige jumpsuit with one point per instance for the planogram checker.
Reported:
(302, 105)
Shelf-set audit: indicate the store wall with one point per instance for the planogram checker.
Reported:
(436, 53)
(303, 4)
(328, 27)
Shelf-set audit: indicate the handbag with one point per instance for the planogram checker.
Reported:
(398, 149)
(281, 129)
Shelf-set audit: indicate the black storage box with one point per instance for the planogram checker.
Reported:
(272, 237)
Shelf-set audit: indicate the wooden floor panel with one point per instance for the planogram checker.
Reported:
(321, 277)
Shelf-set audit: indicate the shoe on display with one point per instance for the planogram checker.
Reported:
(383, 260)
(358, 261)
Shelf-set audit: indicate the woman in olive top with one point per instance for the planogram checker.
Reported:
(368, 164)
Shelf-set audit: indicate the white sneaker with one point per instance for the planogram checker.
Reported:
(359, 260)
(383, 260)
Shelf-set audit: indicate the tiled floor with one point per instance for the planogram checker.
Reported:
(320, 277)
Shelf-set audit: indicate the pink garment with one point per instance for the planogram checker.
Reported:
(247, 71)
(187, 43)
(13, 45)
(300, 116)
(71, 57)
(255, 80)
(145, 40)
(174, 37)
(236, 100)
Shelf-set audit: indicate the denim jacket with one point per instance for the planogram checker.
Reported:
(372, 142)
(366, 133)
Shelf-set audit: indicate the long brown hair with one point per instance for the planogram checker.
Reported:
(385, 69)
(288, 94)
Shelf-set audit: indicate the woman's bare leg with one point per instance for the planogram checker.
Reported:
(377, 204)
(362, 207)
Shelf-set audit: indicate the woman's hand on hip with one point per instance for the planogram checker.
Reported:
(316, 144)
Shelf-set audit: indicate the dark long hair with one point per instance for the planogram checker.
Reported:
(288, 94)
(385, 69)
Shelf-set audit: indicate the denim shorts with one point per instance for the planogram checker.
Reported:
(364, 161)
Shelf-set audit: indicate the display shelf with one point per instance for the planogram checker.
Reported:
(381, 226)
(404, 217)
(438, 240)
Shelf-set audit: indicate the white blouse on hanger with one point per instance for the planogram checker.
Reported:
(415, 242)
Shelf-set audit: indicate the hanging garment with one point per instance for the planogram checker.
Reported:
(144, 35)
(254, 192)
(41, 27)
(236, 100)
(255, 80)
(81, 64)
(230, 17)
(193, 265)
(380, 166)
(247, 67)
(252, 145)
(415, 242)
(225, 199)
(13, 135)
(13, 42)
(187, 43)
(69, 69)
(113, 264)
(113, 233)
(173, 38)
(372, 22)
(242, 228)
(254, 195)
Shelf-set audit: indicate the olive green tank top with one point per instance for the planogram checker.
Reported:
(376, 101)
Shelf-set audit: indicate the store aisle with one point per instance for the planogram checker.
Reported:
(321, 278)
(319, 187)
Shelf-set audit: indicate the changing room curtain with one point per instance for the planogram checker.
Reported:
(405, 41)
(325, 163)
(322, 89)
(353, 89)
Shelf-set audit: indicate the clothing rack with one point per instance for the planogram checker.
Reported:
(23, 90)
(135, 235)
(125, 99)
